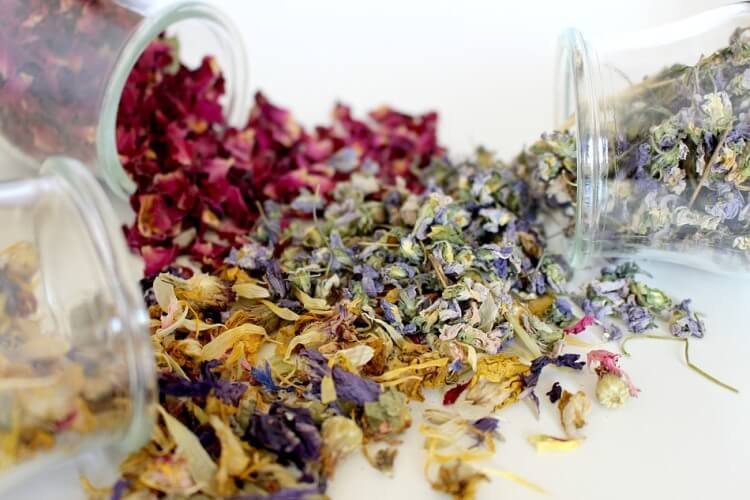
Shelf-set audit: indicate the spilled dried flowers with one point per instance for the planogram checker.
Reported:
(305, 287)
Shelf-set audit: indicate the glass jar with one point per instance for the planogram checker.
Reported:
(660, 119)
(64, 65)
(76, 365)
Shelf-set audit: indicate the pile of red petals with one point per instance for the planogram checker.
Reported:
(53, 54)
(200, 181)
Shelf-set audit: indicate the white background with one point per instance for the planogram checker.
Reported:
(488, 67)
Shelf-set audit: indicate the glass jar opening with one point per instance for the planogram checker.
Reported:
(211, 33)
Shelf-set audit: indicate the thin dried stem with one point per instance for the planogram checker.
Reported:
(707, 167)
(690, 364)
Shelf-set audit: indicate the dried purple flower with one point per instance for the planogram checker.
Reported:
(289, 432)
(727, 202)
(285, 494)
(569, 360)
(564, 308)
(639, 319)
(370, 280)
(251, 256)
(172, 385)
(263, 376)
(486, 424)
(555, 393)
(351, 387)
(228, 391)
(275, 279)
(684, 322)
(119, 489)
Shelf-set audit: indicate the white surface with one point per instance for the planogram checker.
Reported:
(488, 70)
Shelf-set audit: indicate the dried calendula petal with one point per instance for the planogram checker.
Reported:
(544, 443)
(357, 356)
(200, 465)
(573, 410)
(499, 368)
(459, 480)
(281, 312)
(233, 460)
(227, 339)
(250, 291)
(327, 390)
(309, 303)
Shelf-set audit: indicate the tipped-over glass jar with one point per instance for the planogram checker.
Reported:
(662, 134)
(64, 65)
(76, 367)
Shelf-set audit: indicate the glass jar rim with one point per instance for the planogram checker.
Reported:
(150, 27)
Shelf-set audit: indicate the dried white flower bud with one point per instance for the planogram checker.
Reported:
(612, 391)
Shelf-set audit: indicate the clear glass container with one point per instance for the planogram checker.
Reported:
(663, 140)
(76, 366)
(64, 65)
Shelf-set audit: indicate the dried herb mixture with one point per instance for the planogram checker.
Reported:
(329, 278)
(308, 343)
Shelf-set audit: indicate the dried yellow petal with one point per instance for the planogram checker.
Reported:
(498, 368)
(221, 344)
(281, 312)
(202, 468)
(573, 410)
(327, 390)
(545, 443)
(233, 459)
(250, 291)
(310, 303)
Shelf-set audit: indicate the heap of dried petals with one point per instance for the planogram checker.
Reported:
(202, 185)
(309, 350)
(53, 54)
(295, 335)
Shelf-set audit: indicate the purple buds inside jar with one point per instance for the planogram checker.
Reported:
(64, 64)
(661, 127)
